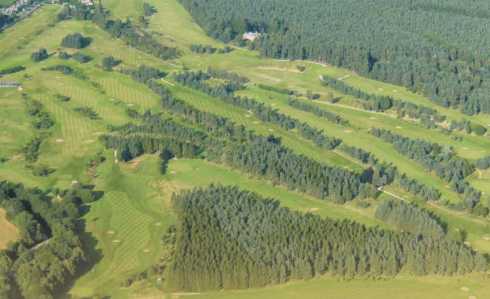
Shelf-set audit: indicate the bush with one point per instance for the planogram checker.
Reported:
(60, 68)
(63, 98)
(148, 9)
(40, 55)
(88, 112)
(478, 129)
(76, 41)
(480, 210)
(42, 171)
(483, 163)
(63, 55)
(11, 70)
(82, 58)
(109, 62)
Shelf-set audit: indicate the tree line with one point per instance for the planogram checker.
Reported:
(50, 252)
(409, 218)
(438, 48)
(208, 49)
(388, 173)
(428, 117)
(440, 159)
(227, 238)
(224, 92)
(237, 147)
(307, 107)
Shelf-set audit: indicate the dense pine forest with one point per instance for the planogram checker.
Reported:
(436, 47)
(228, 238)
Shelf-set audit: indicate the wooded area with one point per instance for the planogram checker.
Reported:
(229, 238)
(436, 47)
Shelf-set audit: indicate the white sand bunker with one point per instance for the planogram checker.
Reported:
(116, 241)
(271, 130)
(110, 232)
(347, 131)
(158, 224)
(146, 250)
(173, 172)
(465, 289)
(59, 140)
(398, 127)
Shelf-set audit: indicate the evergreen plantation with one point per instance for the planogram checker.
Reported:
(437, 47)
(229, 238)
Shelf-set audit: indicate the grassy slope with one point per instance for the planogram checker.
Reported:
(331, 288)
(135, 209)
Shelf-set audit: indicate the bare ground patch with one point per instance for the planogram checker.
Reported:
(8, 231)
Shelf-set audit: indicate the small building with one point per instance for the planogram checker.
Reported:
(250, 36)
(87, 2)
(9, 84)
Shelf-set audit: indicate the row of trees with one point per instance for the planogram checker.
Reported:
(387, 173)
(420, 190)
(429, 117)
(263, 112)
(434, 157)
(200, 80)
(49, 253)
(227, 239)
(208, 49)
(144, 74)
(449, 64)
(41, 119)
(409, 218)
(242, 149)
(12, 70)
(330, 116)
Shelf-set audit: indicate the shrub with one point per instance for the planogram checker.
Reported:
(82, 58)
(40, 55)
(109, 62)
(76, 41)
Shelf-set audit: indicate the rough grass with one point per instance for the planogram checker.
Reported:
(332, 288)
(8, 231)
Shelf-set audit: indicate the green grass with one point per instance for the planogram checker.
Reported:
(332, 288)
(128, 223)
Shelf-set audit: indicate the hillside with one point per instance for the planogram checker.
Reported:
(120, 119)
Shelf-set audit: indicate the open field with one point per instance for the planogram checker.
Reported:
(400, 288)
(128, 222)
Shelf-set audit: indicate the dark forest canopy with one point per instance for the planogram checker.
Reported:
(438, 47)
(410, 218)
(228, 238)
(50, 251)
